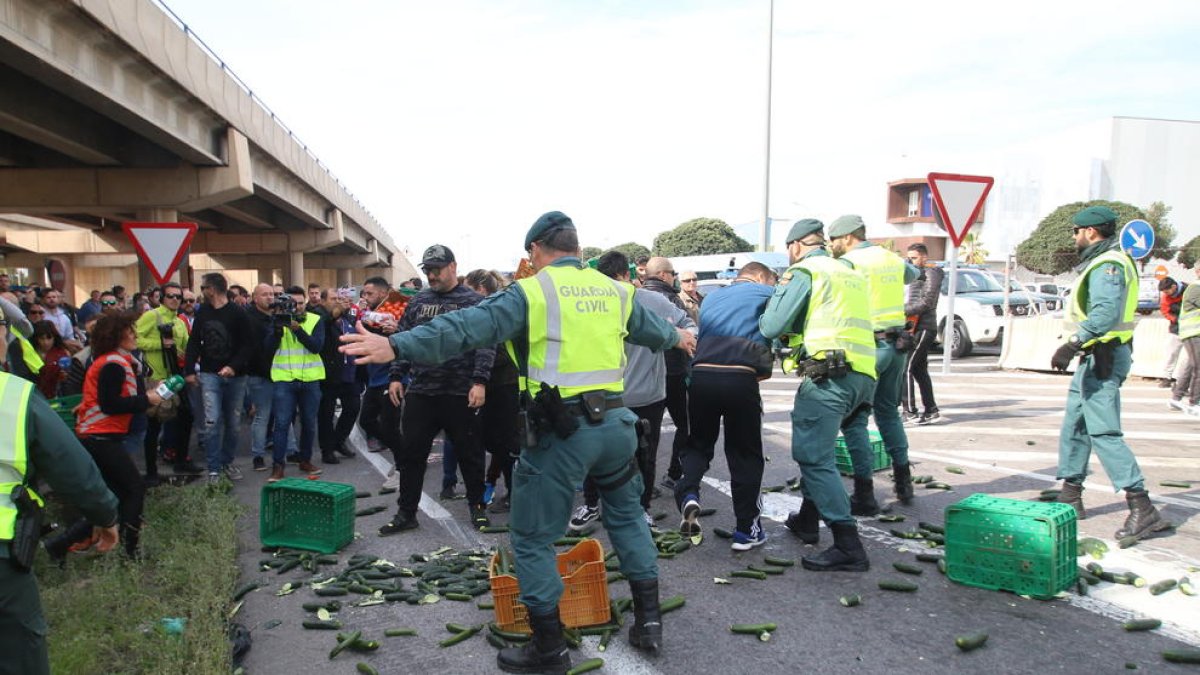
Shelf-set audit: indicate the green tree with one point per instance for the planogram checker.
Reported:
(700, 236)
(589, 252)
(1164, 232)
(1189, 253)
(632, 250)
(1050, 249)
(971, 251)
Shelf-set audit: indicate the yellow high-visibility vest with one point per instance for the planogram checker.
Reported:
(293, 362)
(1077, 307)
(14, 459)
(1189, 321)
(838, 315)
(577, 328)
(884, 271)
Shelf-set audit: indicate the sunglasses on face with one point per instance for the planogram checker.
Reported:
(189, 300)
(108, 303)
(172, 296)
(36, 312)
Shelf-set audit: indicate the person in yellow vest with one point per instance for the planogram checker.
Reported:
(822, 306)
(296, 371)
(886, 274)
(1100, 319)
(19, 357)
(36, 446)
(566, 327)
(1188, 383)
(162, 336)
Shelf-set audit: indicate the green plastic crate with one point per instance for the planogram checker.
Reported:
(1011, 545)
(313, 515)
(65, 406)
(846, 468)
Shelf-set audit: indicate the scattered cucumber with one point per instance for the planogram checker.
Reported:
(586, 666)
(1163, 586)
(852, 600)
(1182, 655)
(897, 585)
(1141, 624)
(365, 668)
(749, 574)
(400, 632)
(908, 569)
(779, 562)
(723, 533)
(1175, 484)
(1186, 587)
(313, 624)
(672, 603)
(970, 642)
(955, 470)
(344, 642)
(451, 641)
(752, 628)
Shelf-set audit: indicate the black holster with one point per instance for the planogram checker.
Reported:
(1102, 358)
(549, 413)
(902, 341)
(27, 531)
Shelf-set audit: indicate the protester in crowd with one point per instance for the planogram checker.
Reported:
(690, 294)
(920, 308)
(342, 384)
(90, 308)
(1187, 385)
(163, 337)
(314, 295)
(113, 393)
(50, 348)
(61, 317)
(443, 398)
(639, 264)
(81, 360)
(260, 389)
(19, 356)
(218, 345)
(1170, 295)
(119, 293)
(41, 450)
(153, 298)
(187, 309)
(239, 296)
(295, 340)
(732, 357)
(379, 416)
(660, 277)
(5, 284)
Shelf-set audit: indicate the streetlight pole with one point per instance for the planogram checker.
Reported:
(765, 232)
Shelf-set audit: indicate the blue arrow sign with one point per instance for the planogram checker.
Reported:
(1137, 238)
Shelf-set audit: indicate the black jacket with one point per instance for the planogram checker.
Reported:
(676, 359)
(923, 295)
(457, 374)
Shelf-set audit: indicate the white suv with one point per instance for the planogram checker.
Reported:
(978, 310)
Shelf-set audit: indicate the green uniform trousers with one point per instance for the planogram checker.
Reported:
(819, 411)
(889, 367)
(1092, 422)
(543, 493)
(22, 625)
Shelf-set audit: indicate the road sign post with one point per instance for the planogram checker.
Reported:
(959, 198)
(160, 245)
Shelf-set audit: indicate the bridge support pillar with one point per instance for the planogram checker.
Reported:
(293, 275)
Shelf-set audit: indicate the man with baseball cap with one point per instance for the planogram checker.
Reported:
(1100, 320)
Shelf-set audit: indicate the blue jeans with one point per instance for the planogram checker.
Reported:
(261, 392)
(288, 397)
(222, 399)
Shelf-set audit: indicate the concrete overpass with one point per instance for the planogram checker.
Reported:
(111, 110)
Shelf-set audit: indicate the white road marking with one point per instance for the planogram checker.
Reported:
(1114, 601)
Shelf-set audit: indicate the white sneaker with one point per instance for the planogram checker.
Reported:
(1194, 410)
(391, 483)
(1177, 404)
(584, 515)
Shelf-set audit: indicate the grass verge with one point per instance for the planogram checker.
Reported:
(104, 611)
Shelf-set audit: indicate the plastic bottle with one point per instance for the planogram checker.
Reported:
(170, 386)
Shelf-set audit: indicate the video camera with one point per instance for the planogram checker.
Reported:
(283, 309)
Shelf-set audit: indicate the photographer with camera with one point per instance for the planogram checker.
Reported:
(162, 336)
(297, 370)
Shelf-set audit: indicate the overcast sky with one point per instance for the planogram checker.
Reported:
(460, 121)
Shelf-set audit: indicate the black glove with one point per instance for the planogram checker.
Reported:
(1063, 355)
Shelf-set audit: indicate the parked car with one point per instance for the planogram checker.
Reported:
(978, 310)
(1148, 295)
(1048, 301)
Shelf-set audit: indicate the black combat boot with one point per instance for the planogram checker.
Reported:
(1143, 518)
(846, 554)
(329, 457)
(1072, 493)
(805, 523)
(546, 651)
(902, 477)
(646, 631)
(862, 502)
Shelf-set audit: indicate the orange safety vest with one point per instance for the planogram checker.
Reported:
(91, 420)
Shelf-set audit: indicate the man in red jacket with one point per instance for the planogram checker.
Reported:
(1170, 295)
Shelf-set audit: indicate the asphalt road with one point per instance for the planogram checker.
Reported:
(1001, 428)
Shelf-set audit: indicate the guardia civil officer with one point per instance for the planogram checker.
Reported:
(566, 327)
(36, 445)
(822, 306)
(1099, 318)
(886, 274)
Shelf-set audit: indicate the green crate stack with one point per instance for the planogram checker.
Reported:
(65, 407)
(313, 515)
(1011, 545)
(878, 452)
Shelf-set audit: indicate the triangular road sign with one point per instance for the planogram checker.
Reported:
(160, 245)
(959, 199)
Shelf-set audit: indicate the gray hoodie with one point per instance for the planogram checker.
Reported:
(646, 371)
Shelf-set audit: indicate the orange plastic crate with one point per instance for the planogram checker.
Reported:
(584, 601)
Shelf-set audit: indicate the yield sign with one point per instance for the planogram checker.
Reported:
(959, 199)
(160, 245)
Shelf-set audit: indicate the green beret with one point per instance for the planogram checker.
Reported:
(547, 223)
(1094, 216)
(845, 225)
(803, 228)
